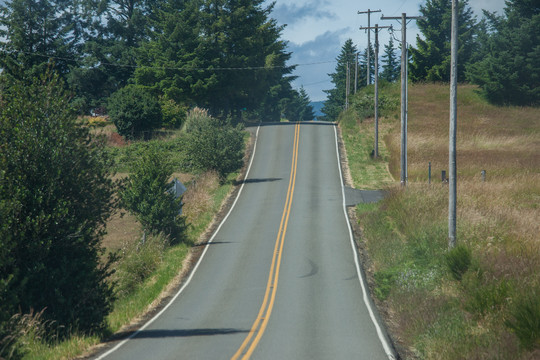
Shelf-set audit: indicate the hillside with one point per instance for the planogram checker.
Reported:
(480, 300)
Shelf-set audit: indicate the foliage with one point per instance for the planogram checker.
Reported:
(138, 262)
(236, 38)
(431, 57)
(174, 114)
(33, 31)
(298, 108)
(212, 145)
(510, 72)
(525, 320)
(458, 261)
(55, 196)
(134, 111)
(146, 194)
(392, 66)
(336, 96)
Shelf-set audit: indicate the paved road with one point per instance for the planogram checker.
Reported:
(280, 279)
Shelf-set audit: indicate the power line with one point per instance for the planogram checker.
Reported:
(209, 68)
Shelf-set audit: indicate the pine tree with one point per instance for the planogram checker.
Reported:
(392, 67)
(36, 35)
(336, 96)
(510, 72)
(431, 57)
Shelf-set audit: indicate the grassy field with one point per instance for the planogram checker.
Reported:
(482, 300)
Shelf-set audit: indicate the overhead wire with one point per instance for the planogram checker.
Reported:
(186, 68)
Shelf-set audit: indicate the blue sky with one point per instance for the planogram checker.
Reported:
(317, 29)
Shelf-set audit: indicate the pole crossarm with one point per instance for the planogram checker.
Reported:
(368, 12)
(373, 27)
(404, 60)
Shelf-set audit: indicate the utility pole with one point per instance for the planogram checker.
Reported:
(404, 58)
(356, 73)
(347, 85)
(368, 12)
(376, 28)
(452, 164)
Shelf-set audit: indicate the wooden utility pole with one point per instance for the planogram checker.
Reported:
(376, 28)
(452, 164)
(368, 72)
(356, 74)
(347, 84)
(403, 18)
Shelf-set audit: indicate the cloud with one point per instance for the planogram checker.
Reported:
(316, 59)
(292, 13)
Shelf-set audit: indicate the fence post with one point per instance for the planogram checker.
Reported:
(429, 173)
(443, 176)
(483, 175)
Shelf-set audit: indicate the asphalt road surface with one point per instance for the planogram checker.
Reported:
(280, 279)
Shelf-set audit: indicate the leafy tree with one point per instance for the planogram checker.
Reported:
(134, 111)
(392, 67)
(509, 73)
(336, 96)
(212, 145)
(431, 57)
(55, 197)
(146, 194)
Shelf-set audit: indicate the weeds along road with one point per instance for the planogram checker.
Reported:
(280, 279)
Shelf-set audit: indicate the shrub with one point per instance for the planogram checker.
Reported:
(198, 118)
(146, 194)
(134, 111)
(525, 321)
(212, 145)
(458, 261)
(174, 115)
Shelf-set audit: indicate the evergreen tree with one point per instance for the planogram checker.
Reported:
(431, 58)
(35, 35)
(115, 29)
(510, 72)
(297, 107)
(336, 96)
(392, 66)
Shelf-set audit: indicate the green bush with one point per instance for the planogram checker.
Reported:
(214, 146)
(174, 115)
(458, 261)
(525, 321)
(134, 111)
(146, 194)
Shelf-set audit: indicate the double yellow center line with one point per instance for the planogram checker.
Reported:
(259, 326)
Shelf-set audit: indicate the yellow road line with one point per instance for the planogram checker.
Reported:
(261, 321)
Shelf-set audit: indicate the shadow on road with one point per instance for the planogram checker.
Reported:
(256, 181)
(158, 333)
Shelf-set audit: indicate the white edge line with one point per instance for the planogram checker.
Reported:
(382, 338)
(102, 356)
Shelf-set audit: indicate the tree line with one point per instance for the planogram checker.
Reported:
(223, 55)
(500, 53)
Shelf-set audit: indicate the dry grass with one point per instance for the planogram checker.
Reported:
(199, 198)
